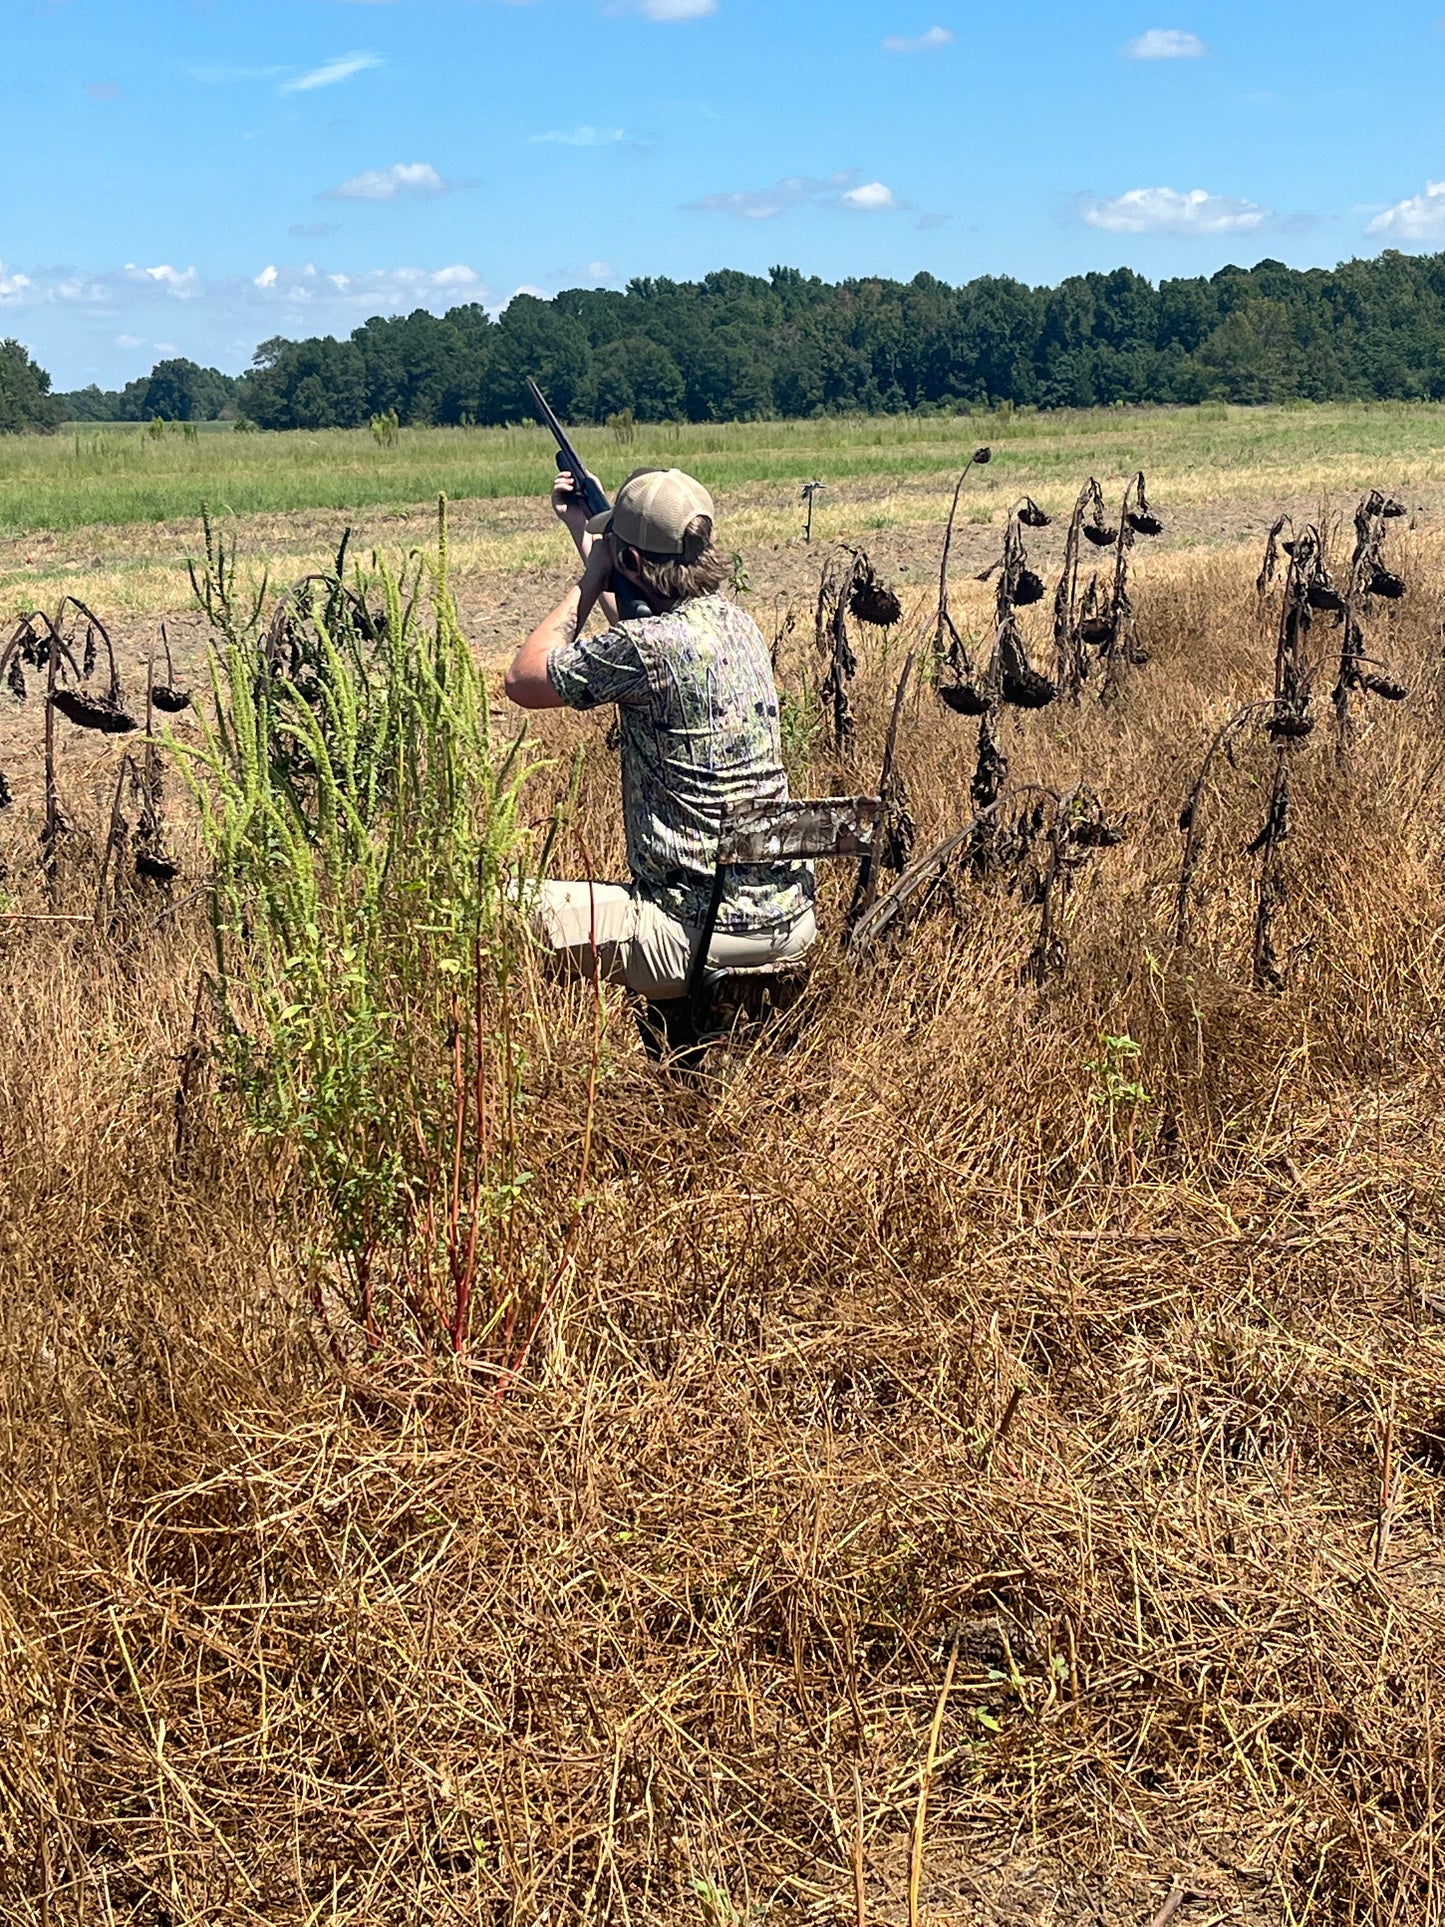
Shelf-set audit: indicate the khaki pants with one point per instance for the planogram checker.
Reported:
(641, 946)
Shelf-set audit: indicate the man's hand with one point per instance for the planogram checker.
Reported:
(571, 512)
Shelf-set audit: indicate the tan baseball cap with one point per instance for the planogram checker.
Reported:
(653, 509)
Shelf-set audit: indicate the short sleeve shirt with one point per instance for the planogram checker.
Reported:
(698, 712)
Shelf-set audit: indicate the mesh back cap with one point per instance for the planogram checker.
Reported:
(653, 509)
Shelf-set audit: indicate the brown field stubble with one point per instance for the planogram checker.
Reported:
(906, 1352)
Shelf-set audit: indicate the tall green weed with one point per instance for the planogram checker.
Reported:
(361, 815)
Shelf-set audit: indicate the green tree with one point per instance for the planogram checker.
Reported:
(995, 344)
(409, 363)
(25, 398)
(635, 373)
(728, 379)
(320, 383)
(178, 391)
(1251, 355)
(91, 404)
(535, 338)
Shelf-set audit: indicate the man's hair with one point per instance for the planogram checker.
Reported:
(698, 571)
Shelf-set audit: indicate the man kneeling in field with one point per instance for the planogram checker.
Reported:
(699, 723)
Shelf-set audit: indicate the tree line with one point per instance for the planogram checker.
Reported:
(737, 346)
(175, 391)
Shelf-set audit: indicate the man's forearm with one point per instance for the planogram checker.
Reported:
(606, 602)
(528, 684)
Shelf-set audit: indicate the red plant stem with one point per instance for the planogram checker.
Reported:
(52, 794)
(368, 1297)
(573, 1229)
(504, 1256)
(469, 1267)
(454, 1187)
(426, 1217)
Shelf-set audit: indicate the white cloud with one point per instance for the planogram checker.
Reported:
(582, 137)
(417, 179)
(71, 318)
(665, 12)
(307, 300)
(456, 276)
(871, 198)
(1162, 210)
(181, 282)
(1165, 43)
(926, 43)
(104, 90)
(59, 285)
(799, 190)
(600, 271)
(374, 291)
(333, 72)
(377, 290)
(1420, 218)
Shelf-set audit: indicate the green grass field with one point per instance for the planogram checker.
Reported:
(118, 475)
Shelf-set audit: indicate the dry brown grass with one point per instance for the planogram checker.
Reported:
(895, 1352)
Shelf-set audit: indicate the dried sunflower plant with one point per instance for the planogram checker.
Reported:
(1082, 622)
(63, 648)
(1099, 616)
(849, 585)
(1007, 680)
(1297, 567)
(1037, 852)
(1370, 577)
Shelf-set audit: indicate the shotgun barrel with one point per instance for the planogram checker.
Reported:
(629, 600)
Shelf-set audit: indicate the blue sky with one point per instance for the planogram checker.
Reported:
(192, 176)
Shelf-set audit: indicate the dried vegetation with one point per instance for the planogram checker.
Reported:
(981, 1459)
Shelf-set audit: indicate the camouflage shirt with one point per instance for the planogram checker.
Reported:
(699, 722)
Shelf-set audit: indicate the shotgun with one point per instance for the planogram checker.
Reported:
(629, 599)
